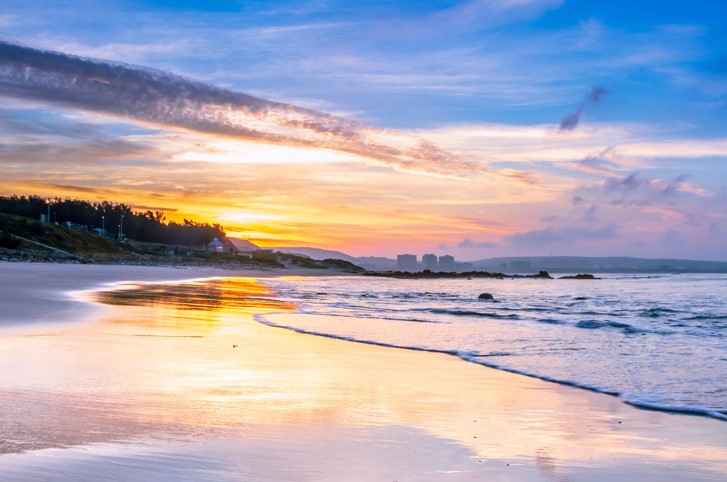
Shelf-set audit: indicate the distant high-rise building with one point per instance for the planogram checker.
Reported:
(429, 261)
(446, 264)
(407, 262)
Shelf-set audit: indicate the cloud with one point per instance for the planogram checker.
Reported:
(599, 164)
(564, 234)
(673, 199)
(163, 98)
(485, 13)
(656, 187)
(571, 121)
(84, 189)
(468, 243)
(589, 211)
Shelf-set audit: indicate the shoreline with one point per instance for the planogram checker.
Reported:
(623, 397)
(317, 408)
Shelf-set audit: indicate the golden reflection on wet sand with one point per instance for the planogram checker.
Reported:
(185, 363)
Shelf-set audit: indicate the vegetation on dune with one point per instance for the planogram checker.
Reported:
(147, 226)
(15, 228)
(342, 265)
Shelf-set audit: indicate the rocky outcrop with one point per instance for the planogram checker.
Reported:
(466, 275)
(579, 276)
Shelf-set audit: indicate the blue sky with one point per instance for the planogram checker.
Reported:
(643, 171)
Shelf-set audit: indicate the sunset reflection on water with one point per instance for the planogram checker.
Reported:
(197, 305)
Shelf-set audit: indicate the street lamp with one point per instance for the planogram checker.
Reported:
(103, 225)
(121, 228)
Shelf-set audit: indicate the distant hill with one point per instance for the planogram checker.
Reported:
(371, 263)
(316, 253)
(613, 264)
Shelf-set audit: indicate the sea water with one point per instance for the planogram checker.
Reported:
(657, 342)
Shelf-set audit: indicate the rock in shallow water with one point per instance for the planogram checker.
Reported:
(486, 296)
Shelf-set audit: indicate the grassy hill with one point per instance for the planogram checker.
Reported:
(20, 233)
(28, 239)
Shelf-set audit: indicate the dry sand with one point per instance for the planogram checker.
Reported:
(156, 393)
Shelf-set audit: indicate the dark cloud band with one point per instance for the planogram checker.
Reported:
(163, 98)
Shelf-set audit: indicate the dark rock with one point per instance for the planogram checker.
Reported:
(486, 296)
(580, 276)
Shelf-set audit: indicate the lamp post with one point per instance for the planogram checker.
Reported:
(48, 203)
(103, 225)
(121, 228)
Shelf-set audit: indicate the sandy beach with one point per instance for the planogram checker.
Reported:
(171, 390)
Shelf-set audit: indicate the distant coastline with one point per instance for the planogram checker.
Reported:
(79, 234)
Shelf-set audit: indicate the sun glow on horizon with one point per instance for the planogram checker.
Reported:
(290, 196)
(245, 152)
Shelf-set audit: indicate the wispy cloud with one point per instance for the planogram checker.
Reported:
(563, 234)
(468, 243)
(645, 190)
(486, 13)
(6, 20)
(163, 98)
(599, 164)
(629, 145)
(571, 121)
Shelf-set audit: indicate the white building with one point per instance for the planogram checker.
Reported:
(216, 246)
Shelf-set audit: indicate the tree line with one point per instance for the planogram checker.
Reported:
(148, 226)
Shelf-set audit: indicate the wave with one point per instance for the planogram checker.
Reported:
(595, 325)
(648, 404)
(636, 400)
(597, 313)
(550, 321)
(372, 317)
(262, 319)
(444, 311)
(658, 312)
(706, 317)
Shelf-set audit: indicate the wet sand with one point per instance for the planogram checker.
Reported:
(180, 383)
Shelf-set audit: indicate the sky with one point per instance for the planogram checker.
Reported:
(476, 128)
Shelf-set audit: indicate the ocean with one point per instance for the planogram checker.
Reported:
(656, 341)
(171, 378)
